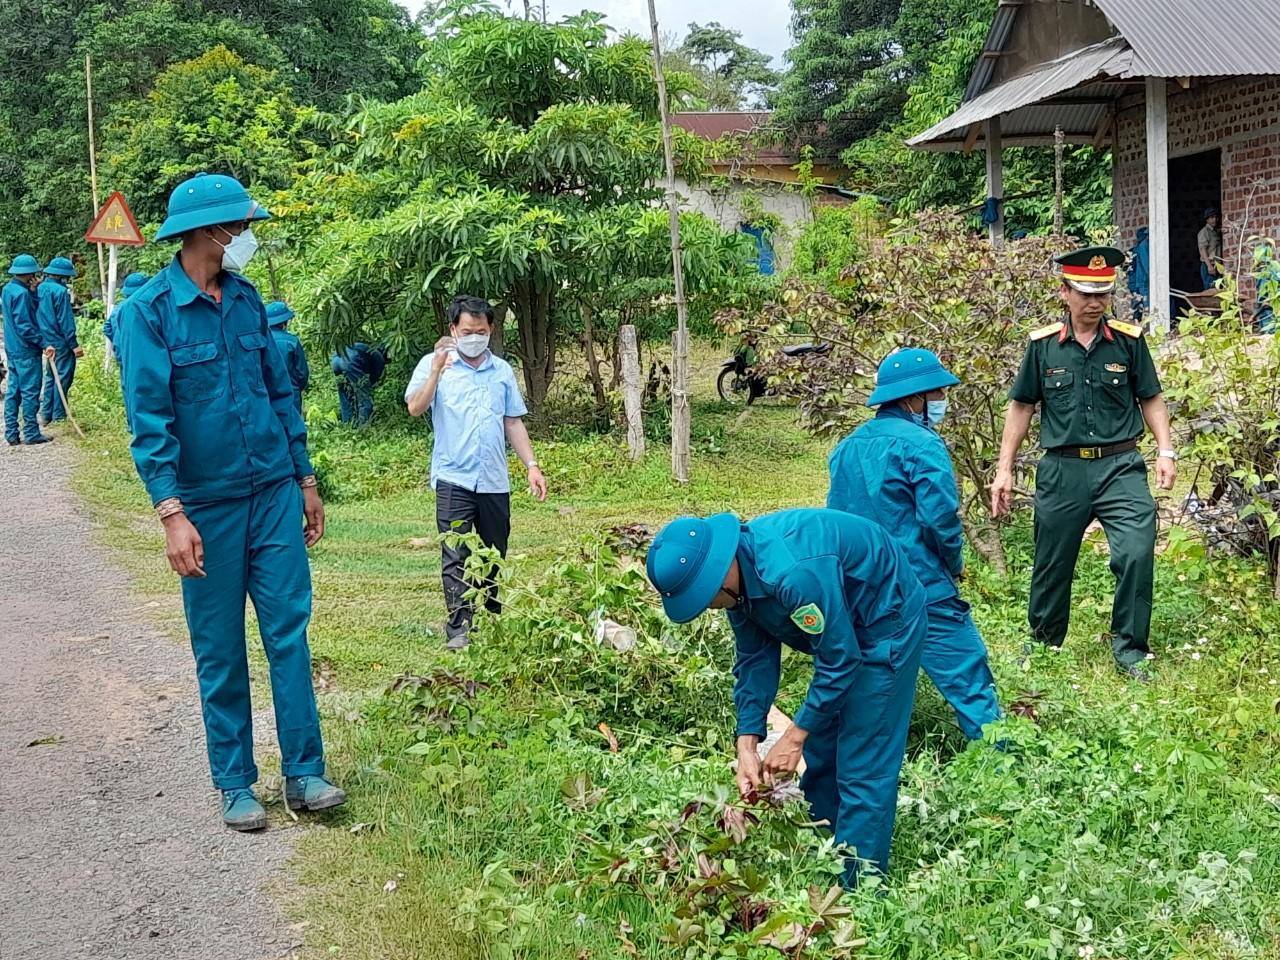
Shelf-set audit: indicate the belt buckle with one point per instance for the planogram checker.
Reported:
(1090, 453)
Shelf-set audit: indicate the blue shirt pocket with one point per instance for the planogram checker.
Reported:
(252, 345)
(197, 377)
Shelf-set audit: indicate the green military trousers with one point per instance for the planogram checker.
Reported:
(1070, 493)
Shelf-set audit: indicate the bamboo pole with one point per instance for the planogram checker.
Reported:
(93, 165)
(1059, 154)
(680, 340)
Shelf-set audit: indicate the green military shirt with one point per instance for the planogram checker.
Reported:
(1088, 398)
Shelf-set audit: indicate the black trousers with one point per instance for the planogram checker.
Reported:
(459, 510)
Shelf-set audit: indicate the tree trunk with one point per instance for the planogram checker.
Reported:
(533, 309)
(985, 539)
(593, 364)
(1059, 150)
(680, 426)
(632, 391)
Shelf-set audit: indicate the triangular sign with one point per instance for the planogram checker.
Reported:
(115, 224)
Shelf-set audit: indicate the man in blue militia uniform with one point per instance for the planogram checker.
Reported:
(895, 471)
(290, 347)
(837, 588)
(57, 323)
(132, 284)
(222, 451)
(359, 369)
(22, 345)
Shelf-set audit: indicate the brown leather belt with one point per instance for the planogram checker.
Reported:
(1095, 453)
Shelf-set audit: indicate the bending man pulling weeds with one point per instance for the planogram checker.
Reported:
(834, 587)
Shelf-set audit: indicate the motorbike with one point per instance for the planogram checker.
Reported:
(738, 382)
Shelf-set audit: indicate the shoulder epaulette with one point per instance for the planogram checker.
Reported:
(1128, 329)
(1048, 331)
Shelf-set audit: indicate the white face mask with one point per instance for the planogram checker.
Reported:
(472, 345)
(937, 411)
(239, 251)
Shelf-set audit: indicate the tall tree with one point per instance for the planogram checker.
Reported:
(524, 172)
(215, 112)
(729, 75)
(842, 84)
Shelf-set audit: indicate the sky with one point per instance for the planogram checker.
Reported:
(764, 23)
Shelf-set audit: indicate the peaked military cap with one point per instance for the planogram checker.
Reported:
(1091, 270)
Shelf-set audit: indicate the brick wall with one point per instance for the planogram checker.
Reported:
(1240, 116)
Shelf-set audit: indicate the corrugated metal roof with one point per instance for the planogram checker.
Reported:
(1040, 84)
(1198, 38)
(997, 37)
(714, 124)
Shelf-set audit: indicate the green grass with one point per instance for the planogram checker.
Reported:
(1092, 832)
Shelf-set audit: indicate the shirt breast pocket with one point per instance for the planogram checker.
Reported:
(1058, 388)
(197, 376)
(251, 347)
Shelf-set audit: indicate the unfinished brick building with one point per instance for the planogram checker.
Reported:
(1185, 92)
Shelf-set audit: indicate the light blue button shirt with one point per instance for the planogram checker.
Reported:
(470, 444)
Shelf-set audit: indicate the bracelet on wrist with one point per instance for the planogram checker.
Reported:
(309, 481)
(168, 507)
(1167, 454)
(531, 464)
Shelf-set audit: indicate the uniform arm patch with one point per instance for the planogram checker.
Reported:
(809, 619)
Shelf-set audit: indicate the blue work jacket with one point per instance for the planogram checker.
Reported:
(830, 585)
(295, 359)
(54, 316)
(21, 333)
(206, 393)
(897, 473)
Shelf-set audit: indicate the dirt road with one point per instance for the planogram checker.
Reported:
(110, 842)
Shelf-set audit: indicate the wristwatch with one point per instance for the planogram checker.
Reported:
(1168, 454)
(531, 464)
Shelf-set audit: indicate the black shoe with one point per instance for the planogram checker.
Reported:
(1135, 671)
(13, 443)
(458, 642)
(43, 438)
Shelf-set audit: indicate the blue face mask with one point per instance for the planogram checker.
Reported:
(937, 411)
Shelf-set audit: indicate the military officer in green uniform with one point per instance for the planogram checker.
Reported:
(1096, 385)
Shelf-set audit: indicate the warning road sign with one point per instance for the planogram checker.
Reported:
(115, 224)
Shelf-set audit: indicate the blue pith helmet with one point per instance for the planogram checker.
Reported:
(24, 264)
(688, 561)
(207, 200)
(59, 267)
(907, 373)
(133, 283)
(278, 313)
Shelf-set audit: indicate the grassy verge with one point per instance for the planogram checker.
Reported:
(489, 817)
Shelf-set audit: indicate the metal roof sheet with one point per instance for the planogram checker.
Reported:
(1042, 83)
(1198, 38)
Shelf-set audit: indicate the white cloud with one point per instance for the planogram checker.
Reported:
(765, 24)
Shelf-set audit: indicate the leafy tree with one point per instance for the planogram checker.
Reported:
(524, 172)
(215, 112)
(841, 86)
(323, 50)
(735, 74)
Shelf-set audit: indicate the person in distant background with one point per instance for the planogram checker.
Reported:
(22, 345)
(1210, 242)
(295, 359)
(358, 368)
(132, 284)
(57, 324)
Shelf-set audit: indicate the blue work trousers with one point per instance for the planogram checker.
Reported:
(22, 391)
(355, 400)
(51, 407)
(253, 547)
(852, 761)
(955, 658)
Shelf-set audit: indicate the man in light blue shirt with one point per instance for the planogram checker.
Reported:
(475, 409)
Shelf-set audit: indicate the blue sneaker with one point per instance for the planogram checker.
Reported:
(242, 811)
(312, 793)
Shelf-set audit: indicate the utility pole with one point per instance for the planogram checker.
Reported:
(93, 165)
(680, 343)
(1059, 155)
